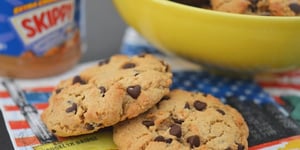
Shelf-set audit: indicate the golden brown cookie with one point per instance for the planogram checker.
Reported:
(100, 96)
(259, 7)
(184, 120)
(284, 7)
(232, 6)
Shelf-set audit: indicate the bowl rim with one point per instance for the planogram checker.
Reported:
(225, 14)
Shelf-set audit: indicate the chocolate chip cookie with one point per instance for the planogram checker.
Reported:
(275, 7)
(232, 6)
(116, 89)
(284, 7)
(258, 7)
(184, 120)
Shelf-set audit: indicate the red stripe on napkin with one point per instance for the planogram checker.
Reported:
(19, 124)
(27, 141)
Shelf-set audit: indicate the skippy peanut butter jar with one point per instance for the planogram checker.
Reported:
(39, 38)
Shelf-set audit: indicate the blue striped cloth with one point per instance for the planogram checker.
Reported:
(198, 79)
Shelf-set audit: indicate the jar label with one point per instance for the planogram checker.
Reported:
(38, 27)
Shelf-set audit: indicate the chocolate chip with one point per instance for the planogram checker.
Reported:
(220, 111)
(134, 91)
(295, 7)
(254, 1)
(103, 62)
(142, 55)
(200, 105)
(166, 65)
(159, 139)
(148, 123)
(57, 91)
(77, 79)
(157, 105)
(169, 140)
(53, 131)
(204, 94)
(128, 65)
(177, 120)
(241, 147)
(175, 130)
(72, 108)
(102, 89)
(167, 68)
(166, 97)
(187, 106)
(162, 139)
(89, 126)
(253, 7)
(194, 141)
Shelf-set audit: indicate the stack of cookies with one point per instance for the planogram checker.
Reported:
(133, 95)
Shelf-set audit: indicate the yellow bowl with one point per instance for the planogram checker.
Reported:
(237, 42)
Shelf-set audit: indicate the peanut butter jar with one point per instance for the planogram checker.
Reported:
(39, 38)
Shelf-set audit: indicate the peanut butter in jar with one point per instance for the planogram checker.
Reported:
(39, 38)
